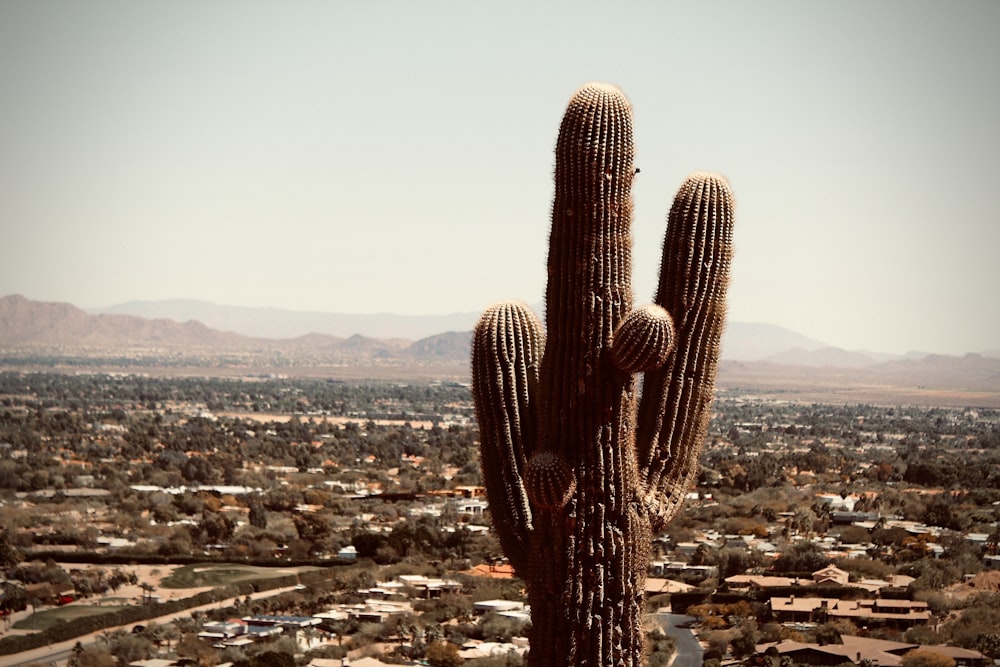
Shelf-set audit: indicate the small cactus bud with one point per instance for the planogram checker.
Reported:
(549, 481)
(644, 339)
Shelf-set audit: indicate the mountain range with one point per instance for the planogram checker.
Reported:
(193, 323)
(743, 341)
(763, 356)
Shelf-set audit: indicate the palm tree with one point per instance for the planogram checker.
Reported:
(147, 592)
(170, 632)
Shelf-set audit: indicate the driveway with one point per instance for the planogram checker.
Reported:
(689, 651)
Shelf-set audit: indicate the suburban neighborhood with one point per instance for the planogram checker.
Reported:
(157, 522)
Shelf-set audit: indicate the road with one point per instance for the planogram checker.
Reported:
(689, 651)
(60, 653)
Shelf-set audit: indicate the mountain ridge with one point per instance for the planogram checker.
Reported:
(742, 340)
(172, 322)
(42, 335)
(280, 323)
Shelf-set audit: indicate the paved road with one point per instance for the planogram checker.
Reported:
(689, 651)
(59, 653)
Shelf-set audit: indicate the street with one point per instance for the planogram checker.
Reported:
(689, 651)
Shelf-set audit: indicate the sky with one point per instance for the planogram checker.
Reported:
(397, 156)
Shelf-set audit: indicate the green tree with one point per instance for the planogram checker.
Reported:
(258, 513)
(989, 644)
(10, 555)
(12, 597)
(129, 648)
(801, 557)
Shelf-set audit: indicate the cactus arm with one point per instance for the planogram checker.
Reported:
(506, 349)
(676, 404)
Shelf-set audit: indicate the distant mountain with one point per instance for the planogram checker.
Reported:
(753, 354)
(277, 323)
(745, 341)
(451, 345)
(200, 323)
(827, 356)
(23, 321)
(755, 341)
(974, 371)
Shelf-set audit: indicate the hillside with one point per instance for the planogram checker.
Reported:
(54, 333)
(25, 322)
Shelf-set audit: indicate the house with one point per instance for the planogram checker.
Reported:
(830, 576)
(153, 662)
(286, 622)
(837, 502)
(760, 582)
(484, 606)
(430, 588)
(963, 657)
(897, 614)
(329, 662)
(471, 506)
(656, 586)
(891, 581)
(476, 649)
(855, 650)
(492, 570)
(659, 568)
(222, 630)
(372, 611)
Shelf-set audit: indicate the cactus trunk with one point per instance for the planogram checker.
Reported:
(572, 492)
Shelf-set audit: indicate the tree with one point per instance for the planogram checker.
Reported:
(201, 653)
(147, 592)
(12, 597)
(801, 557)
(10, 555)
(745, 640)
(216, 527)
(989, 644)
(258, 513)
(91, 656)
(273, 659)
(443, 654)
(926, 657)
(129, 648)
(312, 527)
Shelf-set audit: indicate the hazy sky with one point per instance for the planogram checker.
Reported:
(363, 157)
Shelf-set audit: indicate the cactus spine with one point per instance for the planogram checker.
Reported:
(577, 474)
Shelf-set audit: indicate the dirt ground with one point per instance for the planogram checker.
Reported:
(150, 574)
(982, 583)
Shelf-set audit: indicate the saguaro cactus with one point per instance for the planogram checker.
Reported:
(578, 471)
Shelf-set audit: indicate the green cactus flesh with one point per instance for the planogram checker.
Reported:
(578, 472)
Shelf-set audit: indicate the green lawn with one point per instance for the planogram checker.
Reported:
(194, 576)
(43, 620)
